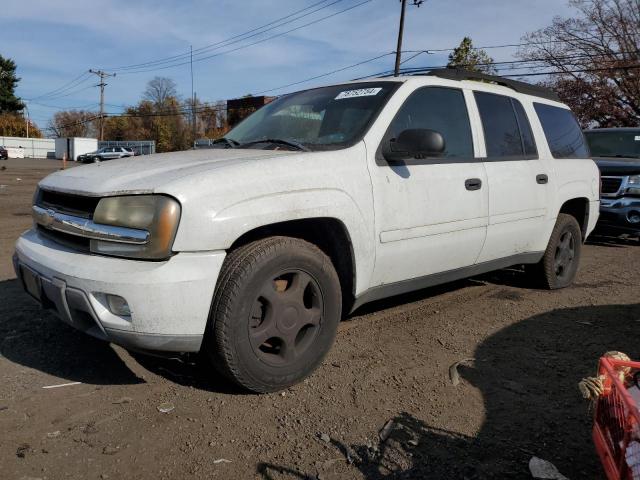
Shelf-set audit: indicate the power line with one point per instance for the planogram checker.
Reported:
(184, 112)
(239, 37)
(64, 87)
(241, 47)
(369, 60)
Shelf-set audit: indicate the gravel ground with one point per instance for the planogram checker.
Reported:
(517, 395)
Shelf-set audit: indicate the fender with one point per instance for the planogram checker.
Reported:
(233, 221)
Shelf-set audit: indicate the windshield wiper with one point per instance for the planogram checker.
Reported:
(277, 141)
(227, 141)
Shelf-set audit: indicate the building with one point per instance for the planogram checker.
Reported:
(240, 108)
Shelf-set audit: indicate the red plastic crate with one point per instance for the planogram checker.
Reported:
(617, 418)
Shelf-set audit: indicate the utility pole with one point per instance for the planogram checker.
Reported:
(193, 101)
(26, 109)
(416, 3)
(102, 74)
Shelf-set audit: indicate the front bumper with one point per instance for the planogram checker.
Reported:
(618, 214)
(169, 301)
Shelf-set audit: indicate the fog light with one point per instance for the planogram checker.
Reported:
(118, 306)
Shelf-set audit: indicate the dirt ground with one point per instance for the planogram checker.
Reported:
(516, 399)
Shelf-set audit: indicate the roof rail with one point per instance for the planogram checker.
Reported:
(460, 74)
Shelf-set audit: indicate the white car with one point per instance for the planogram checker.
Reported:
(317, 203)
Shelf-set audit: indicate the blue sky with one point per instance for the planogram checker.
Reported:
(54, 42)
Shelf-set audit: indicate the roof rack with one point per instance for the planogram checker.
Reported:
(460, 74)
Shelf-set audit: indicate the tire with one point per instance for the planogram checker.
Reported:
(559, 265)
(96, 160)
(274, 315)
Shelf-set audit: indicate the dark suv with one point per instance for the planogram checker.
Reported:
(616, 151)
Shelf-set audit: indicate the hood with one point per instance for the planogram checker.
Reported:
(148, 173)
(617, 166)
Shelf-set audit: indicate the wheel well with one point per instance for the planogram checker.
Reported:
(579, 209)
(328, 234)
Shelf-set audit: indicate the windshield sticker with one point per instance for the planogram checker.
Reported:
(361, 92)
(637, 138)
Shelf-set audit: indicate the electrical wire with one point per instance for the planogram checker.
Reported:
(229, 41)
(241, 47)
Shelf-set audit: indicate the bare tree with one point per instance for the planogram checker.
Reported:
(74, 123)
(159, 90)
(597, 53)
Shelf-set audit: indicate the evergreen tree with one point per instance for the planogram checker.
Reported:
(467, 57)
(9, 103)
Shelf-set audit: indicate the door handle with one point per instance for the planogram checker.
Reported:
(542, 179)
(473, 184)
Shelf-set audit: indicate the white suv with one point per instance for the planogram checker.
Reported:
(323, 200)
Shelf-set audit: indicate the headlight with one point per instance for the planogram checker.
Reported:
(157, 214)
(633, 185)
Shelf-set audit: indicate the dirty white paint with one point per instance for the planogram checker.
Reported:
(403, 221)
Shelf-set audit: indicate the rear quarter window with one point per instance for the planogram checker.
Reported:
(562, 131)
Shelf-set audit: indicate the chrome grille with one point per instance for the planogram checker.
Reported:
(610, 185)
(77, 205)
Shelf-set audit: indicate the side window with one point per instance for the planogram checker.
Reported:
(528, 143)
(441, 109)
(562, 131)
(501, 130)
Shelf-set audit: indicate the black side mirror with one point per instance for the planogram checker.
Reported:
(414, 143)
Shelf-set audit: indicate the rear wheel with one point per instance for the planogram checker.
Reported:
(275, 313)
(559, 265)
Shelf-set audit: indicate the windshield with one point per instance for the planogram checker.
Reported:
(325, 118)
(615, 143)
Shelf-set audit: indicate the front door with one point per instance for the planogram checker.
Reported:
(431, 214)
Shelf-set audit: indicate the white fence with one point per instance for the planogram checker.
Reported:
(33, 147)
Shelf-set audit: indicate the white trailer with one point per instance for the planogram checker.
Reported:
(72, 147)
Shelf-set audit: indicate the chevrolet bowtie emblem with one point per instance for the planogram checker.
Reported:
(49, 218)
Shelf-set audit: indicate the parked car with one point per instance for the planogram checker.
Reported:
(106, 153)
(4, 153)
(317, 203)
(616, 151)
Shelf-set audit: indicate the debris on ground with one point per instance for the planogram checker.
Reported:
(22, 450)
(62, 385)
(166, 407)
(454, 376)
(53, 434)
(386, 430)
(122, 400)
(540, 468)
(325, 438)
(109, 450)
(221, 460)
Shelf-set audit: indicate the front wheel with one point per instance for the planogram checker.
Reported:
(559, 265)
(275, 313)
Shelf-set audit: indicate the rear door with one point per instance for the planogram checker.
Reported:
(518, 179)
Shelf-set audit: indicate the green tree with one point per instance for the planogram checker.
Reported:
(9, 103)
(469, 58)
